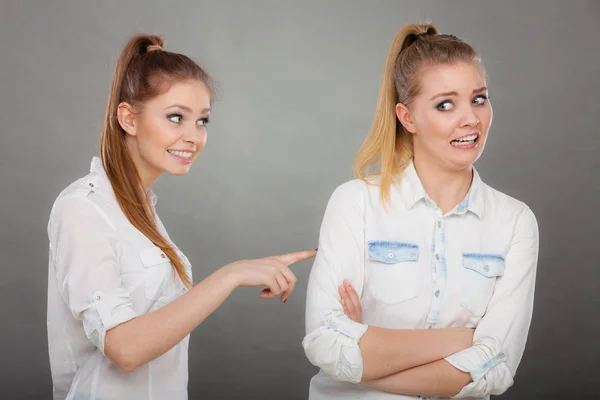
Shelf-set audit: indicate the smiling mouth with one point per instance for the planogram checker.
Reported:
(465, 140)
(186, 155)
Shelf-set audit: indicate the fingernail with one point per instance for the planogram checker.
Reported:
(346, 282)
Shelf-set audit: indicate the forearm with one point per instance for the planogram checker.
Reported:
(142, 339)
(388, 351)
(438, 378)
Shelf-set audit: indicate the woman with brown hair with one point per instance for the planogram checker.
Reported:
(121, 300)
(424, 280)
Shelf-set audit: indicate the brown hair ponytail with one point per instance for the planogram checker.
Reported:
(143, 71)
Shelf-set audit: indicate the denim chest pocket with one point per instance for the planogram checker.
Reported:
(481, 272)
(392, 271)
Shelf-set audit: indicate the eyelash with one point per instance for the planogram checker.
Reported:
(205, 121)
(484, 97)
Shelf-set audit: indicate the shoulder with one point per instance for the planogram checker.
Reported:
(350, 188)
(505, 206)
(78, 204)
(349, 194)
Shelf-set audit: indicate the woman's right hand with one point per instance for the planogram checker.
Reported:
(272, 272)
(350, 302)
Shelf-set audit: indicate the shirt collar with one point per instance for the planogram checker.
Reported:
(412, 192)
(97, 168)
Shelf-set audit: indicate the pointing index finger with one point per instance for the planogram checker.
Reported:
(292, 258)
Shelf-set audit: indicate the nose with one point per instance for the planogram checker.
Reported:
(469, 117)
(196, 137)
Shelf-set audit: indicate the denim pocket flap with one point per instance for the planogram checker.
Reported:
(489, 265)
(393, 252)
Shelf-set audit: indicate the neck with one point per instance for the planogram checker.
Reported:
(447, 188)
(148, 174)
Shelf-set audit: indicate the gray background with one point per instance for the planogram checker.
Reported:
(299, 81)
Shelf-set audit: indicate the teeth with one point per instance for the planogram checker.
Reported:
(466, 139)
(182, 154)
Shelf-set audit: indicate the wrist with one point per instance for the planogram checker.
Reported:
(230, 276)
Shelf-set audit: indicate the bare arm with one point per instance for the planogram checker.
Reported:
(84, 254)
(144, 338)
(438, 378)
(389, 351)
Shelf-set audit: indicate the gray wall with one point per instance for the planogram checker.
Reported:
(298, 81)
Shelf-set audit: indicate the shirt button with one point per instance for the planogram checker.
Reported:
(91, 185)
(98, 298)
(162, 255)
(486, 268)
(439, 224)
(390, 255)
(437, 256)
(437, 293)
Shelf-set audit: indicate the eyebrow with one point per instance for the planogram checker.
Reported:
(453, 93)
(187, 109)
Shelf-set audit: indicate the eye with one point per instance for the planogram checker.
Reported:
(176, 118)
(203, 121)
(480, 100)
(445, 105)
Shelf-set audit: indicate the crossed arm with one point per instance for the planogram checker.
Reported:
(436, 362)
(409, 374)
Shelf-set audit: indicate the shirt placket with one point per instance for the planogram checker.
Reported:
(438, 268)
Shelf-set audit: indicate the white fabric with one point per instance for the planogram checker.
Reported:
(103, 272)
(415, 268)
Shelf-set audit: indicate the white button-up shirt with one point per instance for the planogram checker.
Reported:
(103, 272)
(415, 268)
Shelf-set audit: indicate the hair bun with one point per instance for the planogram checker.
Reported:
(153, 47)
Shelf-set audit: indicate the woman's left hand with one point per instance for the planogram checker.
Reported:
(350, 302)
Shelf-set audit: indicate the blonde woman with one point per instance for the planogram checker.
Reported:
(121, 300)
(424, 281)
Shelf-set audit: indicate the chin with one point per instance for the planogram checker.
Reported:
(466, 162)
(463, 161)
(179, 171)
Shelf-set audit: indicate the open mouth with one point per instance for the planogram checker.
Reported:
(182, 155)
(465, 141)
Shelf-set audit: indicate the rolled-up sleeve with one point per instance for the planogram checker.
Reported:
(84, 251)
(500, 337)
(331, 341)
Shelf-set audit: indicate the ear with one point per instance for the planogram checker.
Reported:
(126, 116)
(405, 117)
